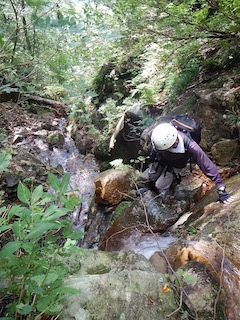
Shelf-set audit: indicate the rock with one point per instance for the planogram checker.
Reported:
(150, 212)
(112, 185)
(215, 244)
(56, 139)
(116, 286)
(199, 292)
(224, 151)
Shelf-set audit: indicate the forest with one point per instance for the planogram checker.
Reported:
(90, 60)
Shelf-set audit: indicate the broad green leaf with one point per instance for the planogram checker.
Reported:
(38, 279)
(59, 212)
(50, 210)
(9, 249)
(18, 228)
(69, 243)
(55, 183)
(5, 158)
(180, 272)
(190, 279)
(40, 228)
(73, 202)
(23, 193)
(3, 209)
(30, 247)
(75, 235)
(49, 307)
(37, 194)
(70, 290)
(65, 182)
(51, 277)
(24, 309)
(4, 228)
(15, 210)
(47, 197)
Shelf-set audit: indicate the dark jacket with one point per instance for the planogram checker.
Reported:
(193, 151)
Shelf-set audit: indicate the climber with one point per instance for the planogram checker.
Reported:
(171, 150)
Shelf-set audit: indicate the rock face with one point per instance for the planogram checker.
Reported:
(215, 244)
(225, 151)
(116, 286)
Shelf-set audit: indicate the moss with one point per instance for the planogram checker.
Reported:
(98, 269)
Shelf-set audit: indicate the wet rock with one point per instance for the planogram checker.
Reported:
(152, 213)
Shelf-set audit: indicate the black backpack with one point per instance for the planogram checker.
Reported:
(188, 125)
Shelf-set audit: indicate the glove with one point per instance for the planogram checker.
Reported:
(224, 197)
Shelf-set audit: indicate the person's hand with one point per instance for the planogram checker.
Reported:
(224, 197)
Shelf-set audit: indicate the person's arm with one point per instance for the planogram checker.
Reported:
(209, 169)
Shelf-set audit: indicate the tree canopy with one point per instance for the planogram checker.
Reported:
(57, 49)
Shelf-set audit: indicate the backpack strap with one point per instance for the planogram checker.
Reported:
(186, 140)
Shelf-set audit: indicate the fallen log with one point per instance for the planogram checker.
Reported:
(59, 108)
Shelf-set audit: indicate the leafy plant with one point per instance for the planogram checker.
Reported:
(34, 234)
(232, 115)
(5, 158)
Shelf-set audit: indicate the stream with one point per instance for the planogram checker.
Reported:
(83, 170)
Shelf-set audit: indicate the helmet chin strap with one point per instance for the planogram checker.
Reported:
(175, 143)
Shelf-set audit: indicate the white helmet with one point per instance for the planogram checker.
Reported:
(163, 136)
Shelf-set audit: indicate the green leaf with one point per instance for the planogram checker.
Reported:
(30, 247)
(18, 228)
(75, 235)
(70, 290)
(51, 277)
(65, 182)
(55, 183)
(4, 228)
(16, 210)
(73, 202)
(180, 272)
(5, 158)
(50, 210)
(3, 209)
(190, 279)
(37, 194)
(59, 212)
(38, 279)
(40, 228)
(9, 249)
(23, 309)
(23, 193)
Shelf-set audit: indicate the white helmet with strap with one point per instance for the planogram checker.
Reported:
(164, 136)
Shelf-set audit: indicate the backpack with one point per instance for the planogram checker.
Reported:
(187, 125)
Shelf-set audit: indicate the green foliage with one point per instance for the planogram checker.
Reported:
(5, 158)
(119, 210)
(232, 115)
(58, 50)
(118, 164)
(38, 232)
(139, 162)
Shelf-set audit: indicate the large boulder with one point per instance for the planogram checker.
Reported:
(112, 185)
(116, 286)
